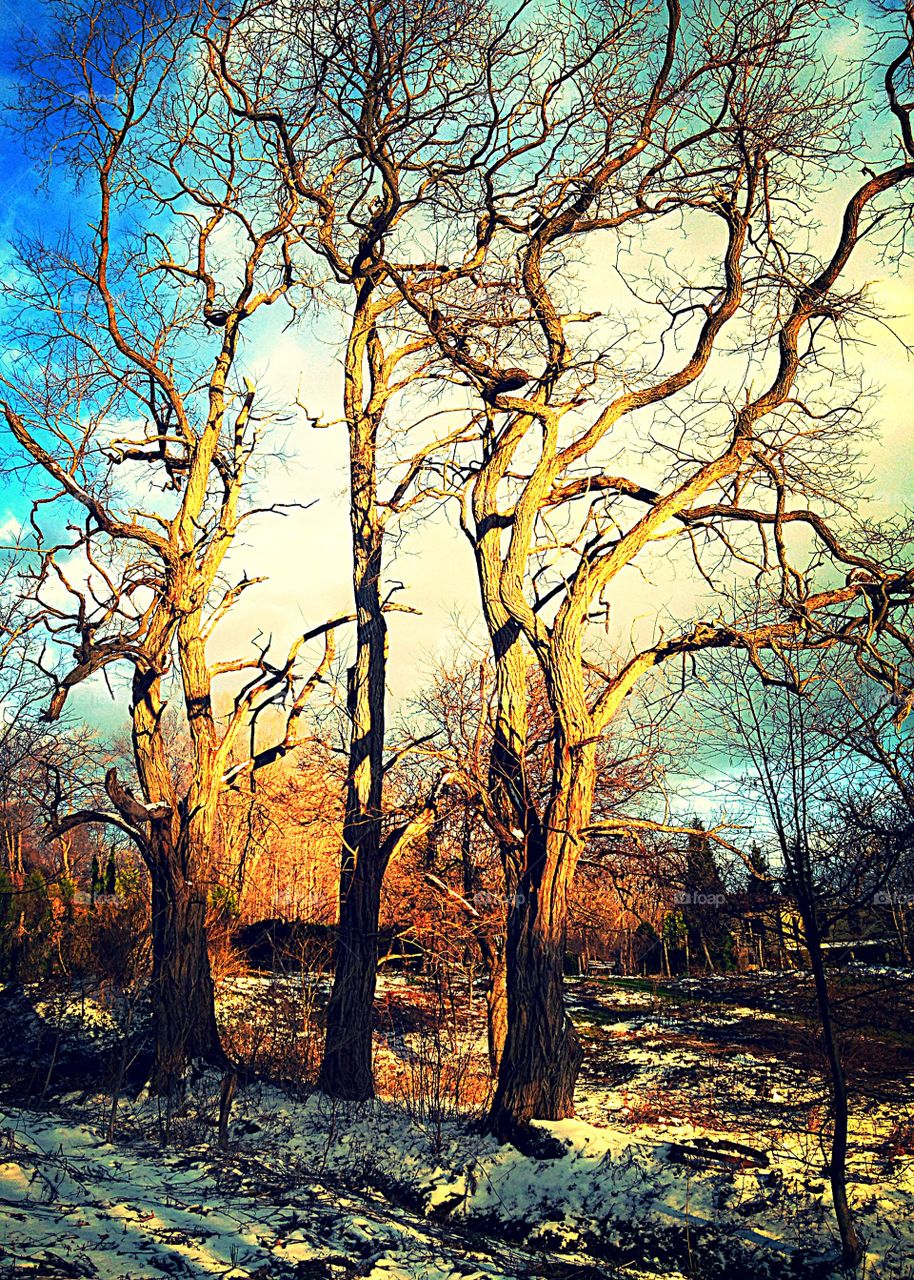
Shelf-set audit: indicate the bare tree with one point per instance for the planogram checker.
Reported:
(138, 427)
(721, 430)
(378, 115)
(814, 738)
(40, 763)
(458, 708)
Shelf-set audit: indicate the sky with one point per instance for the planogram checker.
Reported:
(305, 553)
(306, 588)
(18, 174)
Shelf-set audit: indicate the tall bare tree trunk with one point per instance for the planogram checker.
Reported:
(543, 1054)
(346, 1069)
(177, 851)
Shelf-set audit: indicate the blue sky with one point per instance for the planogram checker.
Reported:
(26, 203)
(19, 175)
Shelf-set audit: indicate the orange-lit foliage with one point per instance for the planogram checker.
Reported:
(279, 845)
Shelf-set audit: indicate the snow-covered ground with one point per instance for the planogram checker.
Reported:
(698, 1151)
(74, 1206)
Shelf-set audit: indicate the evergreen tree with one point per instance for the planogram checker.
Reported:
(705, 902)
(759, 882)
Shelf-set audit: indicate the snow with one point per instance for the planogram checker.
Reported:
(690, 1149)
(612, 1190)
(75, 1203)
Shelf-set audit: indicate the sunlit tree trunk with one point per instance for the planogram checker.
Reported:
(177, 855)
(543, 1054)
(346, 1071)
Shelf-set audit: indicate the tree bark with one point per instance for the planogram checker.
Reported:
(183, 1004)
(542, 1053)
(176, 850)
(346, 1067)
(346, 1071)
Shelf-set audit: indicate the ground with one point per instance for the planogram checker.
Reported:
(698, 1147)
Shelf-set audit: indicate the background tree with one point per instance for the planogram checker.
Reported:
(41, 765)
(704, 904)
(808, 736)
(138, 426)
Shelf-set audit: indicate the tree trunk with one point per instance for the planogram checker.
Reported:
(492, 951)
(497, 1015)
(346, 1068)
(496, 1001)
(176, 853)
(851, 1248)
(542, 1054)
(899, 919)
(183, 1002)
